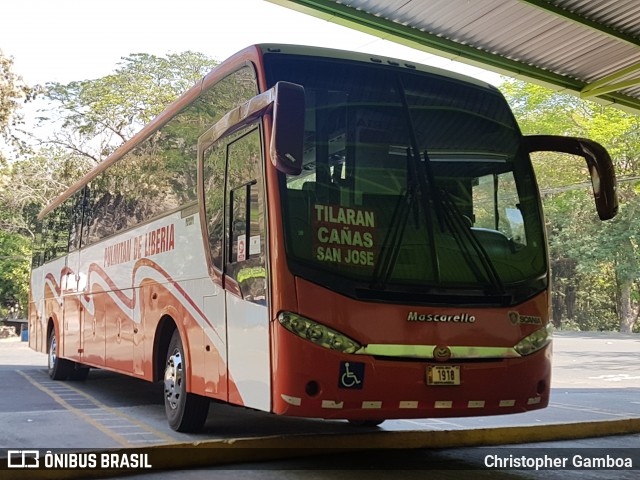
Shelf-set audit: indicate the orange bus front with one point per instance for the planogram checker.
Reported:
(414, 276)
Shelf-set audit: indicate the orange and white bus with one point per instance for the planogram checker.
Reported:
(312, 233)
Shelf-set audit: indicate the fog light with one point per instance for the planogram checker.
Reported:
(312, 389)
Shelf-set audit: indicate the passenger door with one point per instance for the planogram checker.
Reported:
(213, 302)
(237, 246)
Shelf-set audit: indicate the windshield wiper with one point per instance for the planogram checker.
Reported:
(418, 184)
(393, 241)
(446, 211)
(421, 191)
(464, 237)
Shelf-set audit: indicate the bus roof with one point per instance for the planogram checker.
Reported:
(302, 50)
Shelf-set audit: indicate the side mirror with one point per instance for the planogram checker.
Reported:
(287, 135)
(599, 162)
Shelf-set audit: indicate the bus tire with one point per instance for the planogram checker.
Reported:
(59, 368)
(186, 412)
(365, 423)
(79, 373)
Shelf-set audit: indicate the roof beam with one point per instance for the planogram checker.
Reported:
(606, 85)
(582, 20)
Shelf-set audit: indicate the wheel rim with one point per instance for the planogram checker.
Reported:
(53, 351)
(173, 379)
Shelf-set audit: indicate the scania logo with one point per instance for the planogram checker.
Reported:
(516, 319)
(441, 354)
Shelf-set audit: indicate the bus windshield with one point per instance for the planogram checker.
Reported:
(414, 187)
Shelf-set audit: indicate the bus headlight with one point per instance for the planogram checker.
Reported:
(536, 341)
(317, 333)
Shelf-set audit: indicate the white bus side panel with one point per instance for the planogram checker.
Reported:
(248, 351)
(106, 287)
(37, 324)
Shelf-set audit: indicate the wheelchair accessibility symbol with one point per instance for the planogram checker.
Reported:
(351, 375)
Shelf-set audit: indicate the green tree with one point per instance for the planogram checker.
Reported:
(595, 268)
(97, 116)
(14, 246)
(31, 182)
(13, 93)
(88, 119)
(15, 260)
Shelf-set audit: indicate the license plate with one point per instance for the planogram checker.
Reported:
(443, 375)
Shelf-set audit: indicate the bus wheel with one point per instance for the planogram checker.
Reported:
(79, 373)
(186, 412)
(59, 368)
(365, 423)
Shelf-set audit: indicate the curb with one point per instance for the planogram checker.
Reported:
(216, 453)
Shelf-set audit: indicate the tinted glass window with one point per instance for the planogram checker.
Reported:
(214, 192)
(75, 223)
(393, 193)
(37, 254)
(56, 227)
(242, 234)
(160, 174)
(246, 263)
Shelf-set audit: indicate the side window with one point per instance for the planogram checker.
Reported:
(98, 201)
(104, 202)
(63, 227)
(75, 225)
(37, 254)
(151, 179)
(214, 174)
(159, 175)
(56, 231)
(47, 232)
(246, 225)
(87, 215)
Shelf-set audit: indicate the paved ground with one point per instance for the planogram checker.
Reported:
(596, 379)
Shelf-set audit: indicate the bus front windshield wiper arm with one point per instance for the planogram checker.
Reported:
(393, 241)
(447, 214)
(416, 190)
(424, 180)
(422, 193)
(465, 238)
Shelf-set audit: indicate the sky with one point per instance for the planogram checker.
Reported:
(67, 40)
